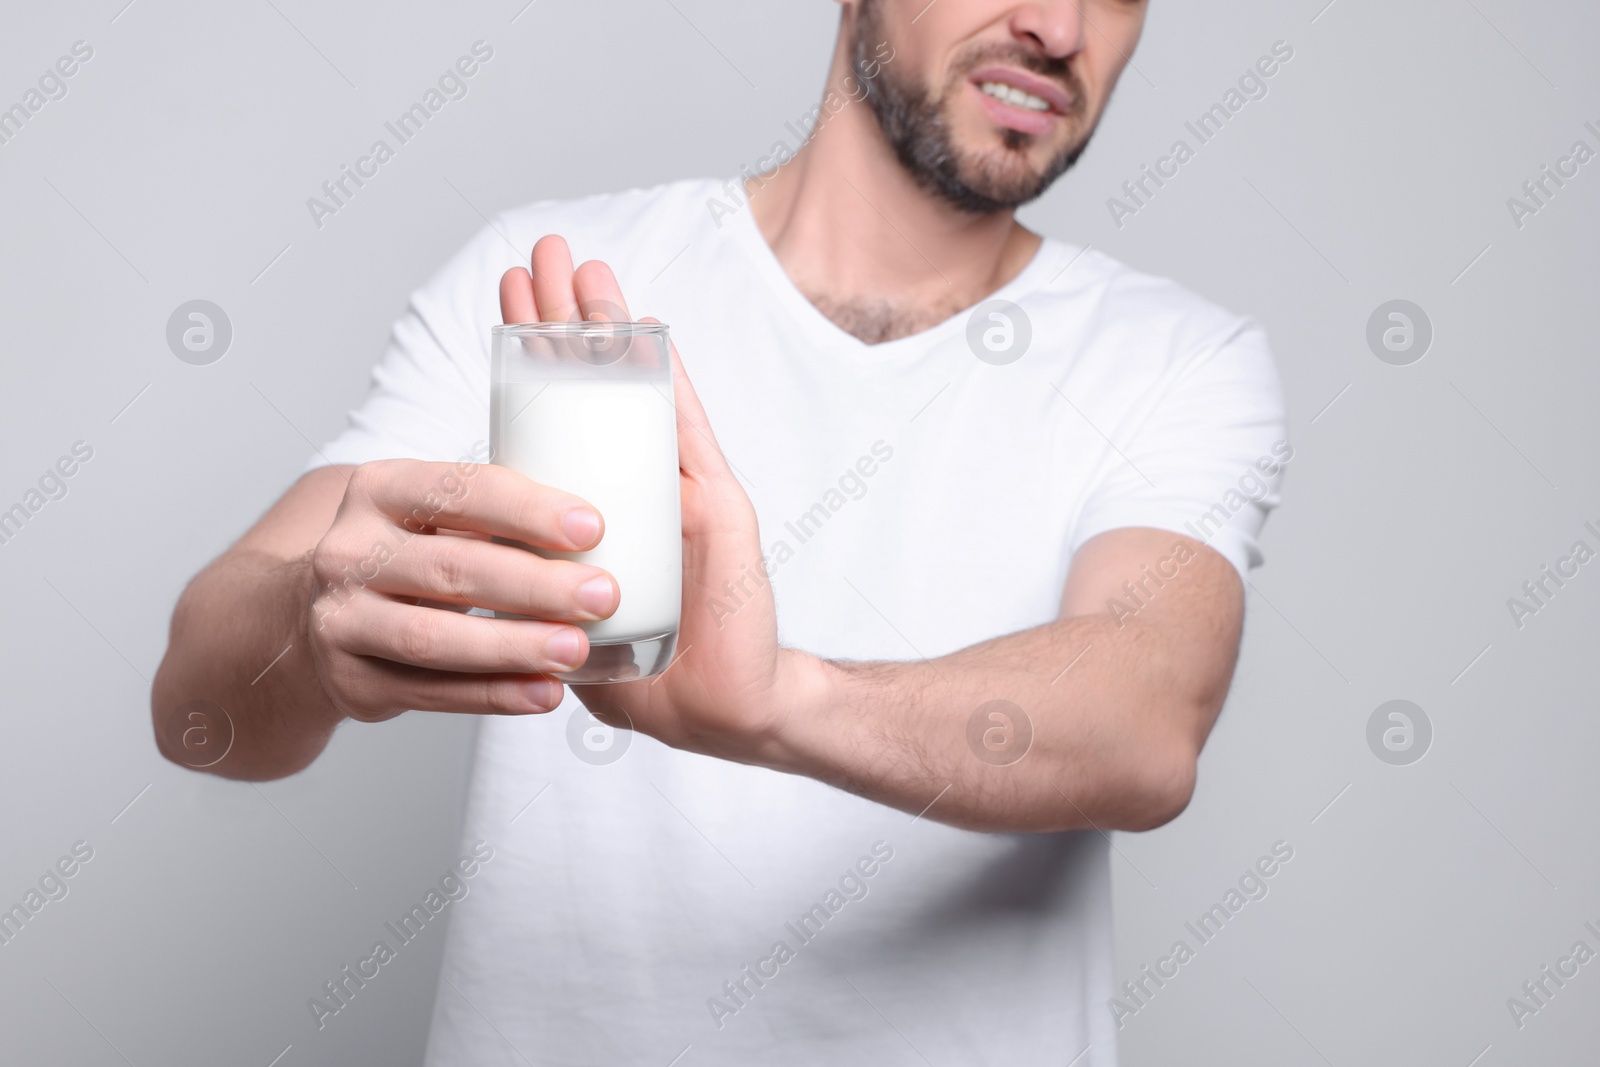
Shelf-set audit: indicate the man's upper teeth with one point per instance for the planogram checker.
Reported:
(1014, 96)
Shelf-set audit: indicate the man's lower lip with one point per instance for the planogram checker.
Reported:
(1016, 118)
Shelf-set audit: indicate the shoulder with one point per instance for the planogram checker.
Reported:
(627, 229)
(1144, 322)
(1129, 301)
(615, 226)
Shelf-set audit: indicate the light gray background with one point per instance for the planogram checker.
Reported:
(1420, 498)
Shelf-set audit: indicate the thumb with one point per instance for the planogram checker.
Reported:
(698, 452)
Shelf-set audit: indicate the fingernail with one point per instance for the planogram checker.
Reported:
(581, 526)
(564, 649)
(597, 596)
(544, 694)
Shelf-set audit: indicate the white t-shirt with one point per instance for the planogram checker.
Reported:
(665, 901)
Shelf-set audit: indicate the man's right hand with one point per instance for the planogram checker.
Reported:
(409, 551)
(347, 600)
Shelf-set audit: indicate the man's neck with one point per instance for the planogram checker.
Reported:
(875, 252)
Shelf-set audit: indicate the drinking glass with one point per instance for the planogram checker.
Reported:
(588, 408)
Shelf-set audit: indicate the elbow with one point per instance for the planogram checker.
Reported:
(195, 734)
(162, 711)
(189, 730)
(166, 719)
(1161, 785)
(166, 715)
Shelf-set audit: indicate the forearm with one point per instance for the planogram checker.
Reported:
(1115, 730)
(238, 643)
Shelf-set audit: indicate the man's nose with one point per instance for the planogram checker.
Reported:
(1057, 25)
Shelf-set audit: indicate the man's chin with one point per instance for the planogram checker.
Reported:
(1006, 181)
(1015, 175)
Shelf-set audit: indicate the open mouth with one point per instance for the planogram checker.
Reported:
(1018, 100)
(1007, 94)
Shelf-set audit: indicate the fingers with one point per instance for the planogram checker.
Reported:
(516, 297)
(389, 689)
(698, 451)
(488, 499)
(480, 574)
(558, 293)
(552, 280)
(445, 641)
(598, 294)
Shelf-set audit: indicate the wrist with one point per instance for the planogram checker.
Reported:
(808, 691)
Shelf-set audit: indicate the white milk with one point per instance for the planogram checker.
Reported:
(615, 444)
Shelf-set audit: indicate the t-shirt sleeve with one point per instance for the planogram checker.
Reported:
(429, 397)
(1208, 461)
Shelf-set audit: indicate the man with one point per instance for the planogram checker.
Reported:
(964, 533)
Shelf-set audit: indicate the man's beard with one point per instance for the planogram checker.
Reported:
(913, 123)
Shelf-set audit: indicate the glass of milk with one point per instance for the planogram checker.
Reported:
(587, 408)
